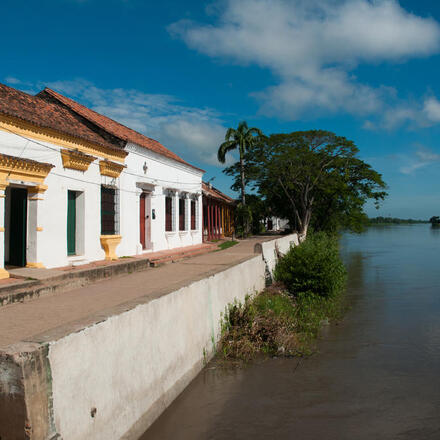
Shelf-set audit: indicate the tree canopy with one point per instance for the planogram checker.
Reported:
(313, 178)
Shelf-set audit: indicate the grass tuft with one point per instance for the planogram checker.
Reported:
(227, 244)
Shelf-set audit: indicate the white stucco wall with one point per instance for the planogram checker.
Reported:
(162, 173)
(137, 362)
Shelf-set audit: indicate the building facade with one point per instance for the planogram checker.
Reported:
(218, 214)
(77, 187)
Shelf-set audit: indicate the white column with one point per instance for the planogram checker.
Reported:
(35, 228)
(188, 212)
(3, 273)
(176, 211)
(199, 213)
(158, 233)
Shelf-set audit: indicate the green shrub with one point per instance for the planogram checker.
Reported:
(313, 268)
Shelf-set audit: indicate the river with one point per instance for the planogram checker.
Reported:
(376, 375)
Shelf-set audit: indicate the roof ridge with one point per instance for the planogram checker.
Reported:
(84, 112)
(62, 98)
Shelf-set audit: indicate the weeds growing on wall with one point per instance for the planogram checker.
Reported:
(286, 318)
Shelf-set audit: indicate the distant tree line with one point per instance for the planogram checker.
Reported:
(392, 220)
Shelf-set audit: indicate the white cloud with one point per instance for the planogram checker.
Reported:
(311, 46)
(432, 109)
(12, 80)
(192, 132)
(422, 158)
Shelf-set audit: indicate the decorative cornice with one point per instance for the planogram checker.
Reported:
(14, 168)
(110, 169)
(76, 160)
(23, 128)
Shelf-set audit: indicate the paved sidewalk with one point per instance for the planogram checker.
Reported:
(57, 314)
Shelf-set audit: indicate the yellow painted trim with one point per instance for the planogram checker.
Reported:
(36, 265)
(13, 168)
(23, 128)
(109, 244)
(4, 274)
(110, 169)
(76, 160)
(39, 228)
(38, 189)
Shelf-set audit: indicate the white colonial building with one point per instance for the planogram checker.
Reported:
(76, 186)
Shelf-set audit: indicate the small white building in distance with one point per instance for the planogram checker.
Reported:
(76, 186)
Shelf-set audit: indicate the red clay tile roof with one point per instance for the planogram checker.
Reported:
(216, 194)
(115, 128)
(41, 113)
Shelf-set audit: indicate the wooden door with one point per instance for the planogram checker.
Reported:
(18, 227)
(142, 220)
(71, 223)
(148, 243)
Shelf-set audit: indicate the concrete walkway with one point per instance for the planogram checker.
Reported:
(52, 316)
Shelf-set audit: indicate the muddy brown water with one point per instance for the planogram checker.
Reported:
(375, 376)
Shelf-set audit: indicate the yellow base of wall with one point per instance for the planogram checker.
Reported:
(3, 274)
(109, 243)
(36, 265)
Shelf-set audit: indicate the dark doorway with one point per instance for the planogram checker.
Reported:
(18, 227)
(71, 222)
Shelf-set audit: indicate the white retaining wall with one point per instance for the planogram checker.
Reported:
(131, 366)
(280, 246)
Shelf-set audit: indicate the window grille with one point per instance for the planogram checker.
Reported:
(193, 214)
(109, 211)
(182, 215)
(168, 214)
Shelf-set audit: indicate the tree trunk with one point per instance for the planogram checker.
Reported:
(243, 197)
(305, 225)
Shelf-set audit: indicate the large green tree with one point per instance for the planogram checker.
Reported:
(242, 138)
(313, 178)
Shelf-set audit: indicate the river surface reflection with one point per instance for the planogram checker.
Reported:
(375, 376)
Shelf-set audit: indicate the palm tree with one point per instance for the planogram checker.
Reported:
(242, 138)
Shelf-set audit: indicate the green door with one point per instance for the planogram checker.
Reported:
(71, 222)
(18, 227)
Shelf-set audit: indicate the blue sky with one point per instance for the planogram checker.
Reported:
(183, 71)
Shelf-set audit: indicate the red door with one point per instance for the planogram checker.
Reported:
(142, 219)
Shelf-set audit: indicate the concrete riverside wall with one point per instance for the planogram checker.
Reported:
(131, 366)
(273, 249)
(111, 379)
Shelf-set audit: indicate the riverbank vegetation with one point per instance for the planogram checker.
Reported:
(286, 317)
(394, 221)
